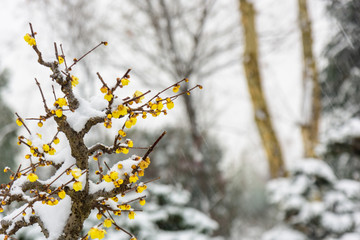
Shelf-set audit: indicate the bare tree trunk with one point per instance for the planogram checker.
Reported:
(261, 113)
(311, 86)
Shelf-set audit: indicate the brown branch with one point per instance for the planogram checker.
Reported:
(78, 60)
(119, 81)
(5, 225)
(151, 148)
(42, 96)
(21, 120)
(90, 123)
(99, 146)
(101, 79)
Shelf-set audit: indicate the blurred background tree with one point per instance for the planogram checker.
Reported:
(7, 130)
(340, 90)
(179, 39)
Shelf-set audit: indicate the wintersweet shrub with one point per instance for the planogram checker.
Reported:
(61, 203)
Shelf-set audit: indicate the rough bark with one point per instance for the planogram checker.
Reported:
(311, 86)
(261, 114)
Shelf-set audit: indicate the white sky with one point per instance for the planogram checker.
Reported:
(231, 117)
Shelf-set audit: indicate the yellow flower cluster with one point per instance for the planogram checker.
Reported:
(98, 233)
(113, 177)
(131, 121)
(120, 111)
(29, 39)
(51, 202)
(141, 188)
(176, 88)
(47, 149)
(60, 102)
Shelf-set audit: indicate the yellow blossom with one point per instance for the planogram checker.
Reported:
(136, 95)
(130, 143)
(32, 177)
(59, 112)
(107, 178)
(61, 59)
(122, 133)
(95, 232)
(76, 173)
(29, 39)
(131, 215)
(122, 110)
(160, 106)
(153, 106)
(169, 103)
(176, 88)
(142, 202)
(108, 96)
(104, 89)
(116, 114)
(114, 175)
(46, 147)
(56, 140)
(99, 216)
(133, 179)
(128, 124)
(140, 189)
(77, 186)
(125, 207)
(1, 209)
(74, 81)
(125, 81)
(124, 150)
(120, 166)
(61, 102)
(143, 165)
(62, 194)
(19, 122)
(107, 223)
(40, 124)
(52, 151)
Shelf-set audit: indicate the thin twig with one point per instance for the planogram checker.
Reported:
(78, 60)
(63, 55)
(53, 89)
(42, 96)
(21, 120)
(151, 148)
